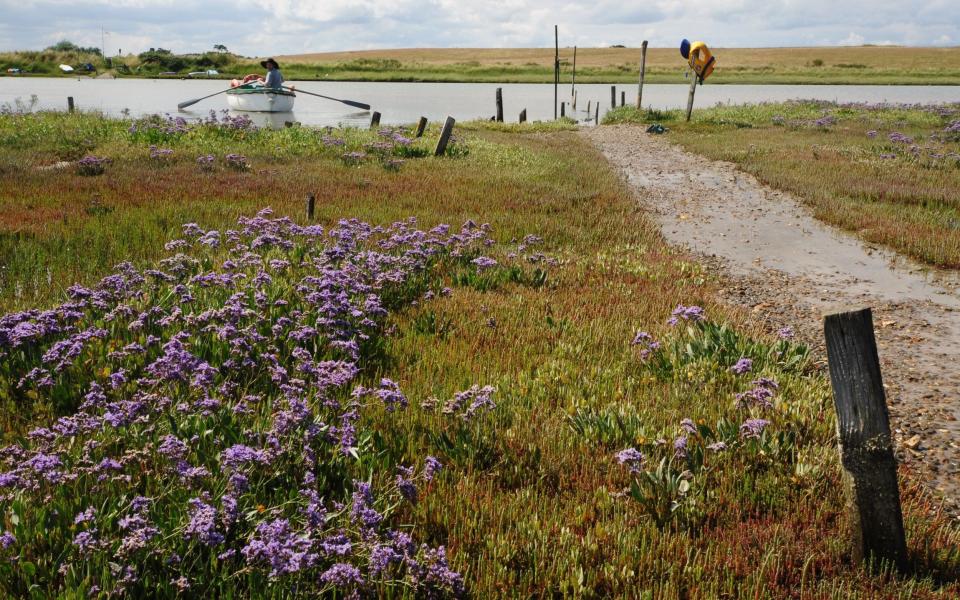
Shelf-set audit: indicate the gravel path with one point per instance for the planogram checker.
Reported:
(789, 269)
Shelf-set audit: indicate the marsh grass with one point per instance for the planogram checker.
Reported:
(532, 502)
(891, 174)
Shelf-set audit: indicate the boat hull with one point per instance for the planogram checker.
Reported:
(260, 100)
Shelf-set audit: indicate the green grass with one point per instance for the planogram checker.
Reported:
(843, 162)
(532, 502)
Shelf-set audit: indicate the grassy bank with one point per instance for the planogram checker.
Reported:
(853, 65)
(536, 496)
(891, 174)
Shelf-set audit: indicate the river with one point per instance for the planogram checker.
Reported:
(406, 102)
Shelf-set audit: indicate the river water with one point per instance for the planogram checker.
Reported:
(405, 102)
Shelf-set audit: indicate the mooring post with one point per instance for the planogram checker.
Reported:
(596, 117)
(69, 103)
(863, 433)
(613, 96)
(574, 101)
(643, 68)
(374, 119)
(623, 98)
(499, 105)
(311, 203)
(563, 109)
(589, 102)
(444, 136)
(693, 90)
(421, 125)
(523, 116)
(573, 83)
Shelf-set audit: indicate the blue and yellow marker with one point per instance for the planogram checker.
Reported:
(699, 57)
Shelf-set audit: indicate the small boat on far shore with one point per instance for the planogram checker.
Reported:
(257, 98)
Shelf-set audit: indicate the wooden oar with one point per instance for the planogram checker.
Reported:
(183, 105)
(360, 105)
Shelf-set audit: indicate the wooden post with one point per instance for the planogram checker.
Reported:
(375, 119)
(573, 83)
(623, 98)
(421, 125)
(311, 203)
(69, 103)
(556, 67)
(596, 118)
(563, 109)
(643, 69)
(523, 116)
(613, 96)
(693, 90)
(863, 432)
(444, 136)
(499, 105)
(588, 107)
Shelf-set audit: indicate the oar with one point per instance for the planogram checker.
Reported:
(183, 105)
(360, 105)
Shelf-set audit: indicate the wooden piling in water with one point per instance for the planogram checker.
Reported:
(375, 119)
(523, 116)
(596, 117)
(563, 109)
(863, 434)
(421, 126)
(444, 136)
(643, 69)
(573, 83)
(623, 98)
(556, 67)
(69, 103)
(589, 102)
(574, 101)
(499, 105)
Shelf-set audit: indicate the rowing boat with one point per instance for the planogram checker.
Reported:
(256, 98)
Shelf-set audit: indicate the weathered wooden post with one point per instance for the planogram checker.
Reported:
(556, 67)
(69, 103)
(311, 203)
(499, 105)
(573, 83)
(523, 116)
(863, 432)
(421, 126)
(613, 96)
(693, 90)
(374, 119)
(643, 68)
(444, 136)
(596, 117)
(623, 98)
(589, 102)
(563, 109)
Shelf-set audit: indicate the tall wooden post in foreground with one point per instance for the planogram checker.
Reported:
(643, 69)
(556, 67)
(444, 136)
(499, 105)
(693, 90)
(69, 103)
(573, 84)
(613, 96)
(375, 120)
(421, 125)
(863, 432)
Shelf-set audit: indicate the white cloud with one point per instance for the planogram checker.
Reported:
(854, 39)
(256, 27)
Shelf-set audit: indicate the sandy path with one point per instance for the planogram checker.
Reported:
(790, 268)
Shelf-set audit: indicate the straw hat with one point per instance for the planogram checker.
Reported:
(264, 63)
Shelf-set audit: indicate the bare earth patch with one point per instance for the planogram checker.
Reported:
(789, 269)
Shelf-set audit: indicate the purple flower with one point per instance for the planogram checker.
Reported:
(7, 539)
(203, 524)
(872, 134)
(390, 394)
(744, 365)
(647, 344)
(717, 446)
(753, 428)
(689, 426)
(275, 544)
(431, 466)
(342, 575)
(484, 262)
(687, 313)
(631, 458)
(785, 333)
(680, 447)
(405, 484)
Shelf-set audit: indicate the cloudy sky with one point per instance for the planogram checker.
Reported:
(260, 27)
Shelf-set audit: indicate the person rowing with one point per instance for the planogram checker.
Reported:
(274, 77)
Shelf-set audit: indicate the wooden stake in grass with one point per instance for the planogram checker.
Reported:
(613, 96)
(421, 125)
(563, 109)
(444, 136)
(69, 103)
(375, 120)
(499, 105)
(523, 116)
(311, 204)
(623, 98)
(863, 431)
(693, 90)
(596, 117)
(643, 69)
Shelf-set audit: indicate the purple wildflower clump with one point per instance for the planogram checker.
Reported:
(761, 395)
(898, 138)
(237, 162)
(753, 428)
(160, 154)
(203, 524)
(431, 466)
(206, 162)
(631, 458)
(646, 343)
(91, 165)
(825, 121)
(468, 402)
(743, 365)
(872, 134)
(276, 545)
(687, 313)
(342, 575)
(484, 262)
(785, 333)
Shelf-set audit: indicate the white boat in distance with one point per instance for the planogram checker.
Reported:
(256, 98)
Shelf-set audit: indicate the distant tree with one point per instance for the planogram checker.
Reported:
(219, 47)
(68, 46)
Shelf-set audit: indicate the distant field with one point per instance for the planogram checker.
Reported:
(864, 64)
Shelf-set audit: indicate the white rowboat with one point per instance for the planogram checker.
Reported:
(260, 99)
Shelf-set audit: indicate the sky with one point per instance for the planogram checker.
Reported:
(265, 27)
